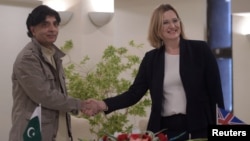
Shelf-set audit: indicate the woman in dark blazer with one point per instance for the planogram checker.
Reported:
(182, 77)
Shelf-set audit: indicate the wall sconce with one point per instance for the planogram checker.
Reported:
(65, 17)
(100, 18)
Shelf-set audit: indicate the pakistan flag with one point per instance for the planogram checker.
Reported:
(33, 129)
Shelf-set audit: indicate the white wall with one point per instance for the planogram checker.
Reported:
(13, 38)
(132, 19)
(239, 6)
(241, 69)
(130, 22)
(241, 53)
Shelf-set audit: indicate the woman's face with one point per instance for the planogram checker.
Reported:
(171, 28)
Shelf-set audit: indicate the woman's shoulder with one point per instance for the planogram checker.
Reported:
(154, 52)
(194, 45)
(192, 41)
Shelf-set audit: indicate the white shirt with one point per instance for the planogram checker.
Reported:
(174, 98)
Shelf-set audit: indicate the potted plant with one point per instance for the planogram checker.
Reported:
(112, 75)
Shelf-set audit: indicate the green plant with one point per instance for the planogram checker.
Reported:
(112, 75)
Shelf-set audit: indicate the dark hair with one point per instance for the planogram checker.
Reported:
(38, 15)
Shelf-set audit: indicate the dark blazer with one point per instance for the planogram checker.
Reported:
(201, 81)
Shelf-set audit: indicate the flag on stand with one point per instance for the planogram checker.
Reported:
(227, 118)
(33, 129)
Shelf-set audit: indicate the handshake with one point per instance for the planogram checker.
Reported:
(91, 107)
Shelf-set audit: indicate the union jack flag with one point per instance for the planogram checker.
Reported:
(227, 118)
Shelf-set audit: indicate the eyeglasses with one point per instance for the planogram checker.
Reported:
(173, 21)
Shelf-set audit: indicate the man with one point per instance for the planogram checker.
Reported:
(38, 78)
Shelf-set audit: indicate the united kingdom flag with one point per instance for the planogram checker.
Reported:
(227, 118)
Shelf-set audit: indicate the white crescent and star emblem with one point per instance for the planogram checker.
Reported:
(31, 132)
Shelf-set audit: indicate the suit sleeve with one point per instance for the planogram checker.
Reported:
(37, 86)
(135, 92)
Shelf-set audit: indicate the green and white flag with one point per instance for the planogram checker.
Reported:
(33, 129)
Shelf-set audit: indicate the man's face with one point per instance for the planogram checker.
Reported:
(46, 32)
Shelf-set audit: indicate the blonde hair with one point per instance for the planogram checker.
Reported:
(156, 22)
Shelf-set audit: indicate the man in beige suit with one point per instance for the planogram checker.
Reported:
(38, 78)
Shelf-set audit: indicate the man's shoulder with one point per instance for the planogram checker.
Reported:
(28, 51)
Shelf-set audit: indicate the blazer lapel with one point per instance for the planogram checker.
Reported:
(158, 72)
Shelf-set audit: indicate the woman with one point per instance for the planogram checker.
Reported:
(182, 77)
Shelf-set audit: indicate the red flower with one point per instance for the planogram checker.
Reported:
(122, 137)
(139, 137)
(135, 136)
(146, 137)
(105, 138)
(162, 137)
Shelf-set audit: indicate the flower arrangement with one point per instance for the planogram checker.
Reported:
(144, 136)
